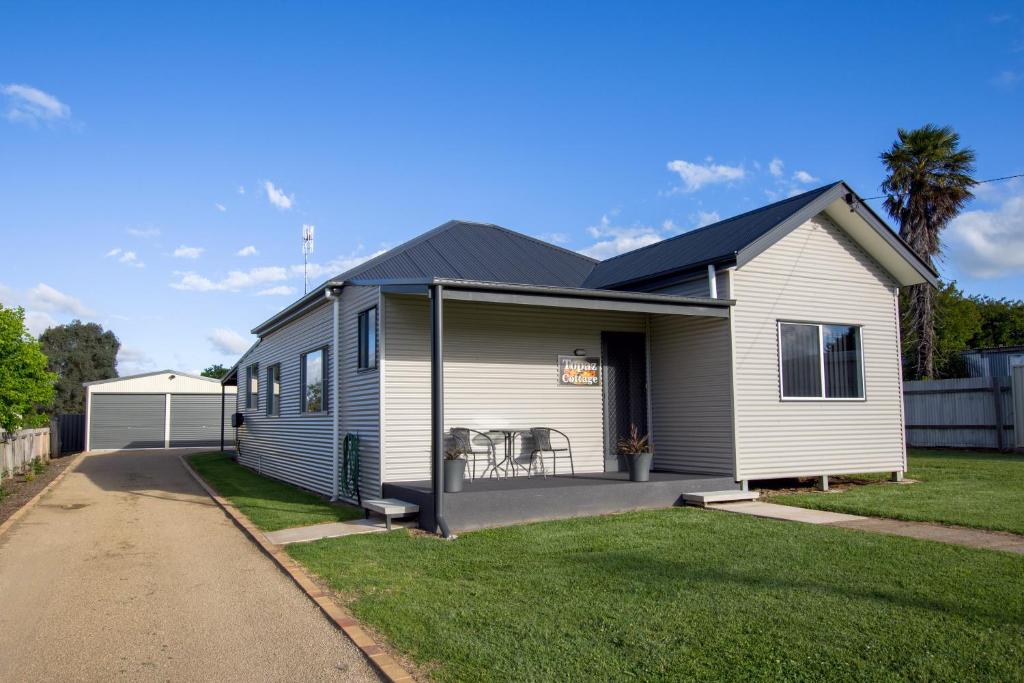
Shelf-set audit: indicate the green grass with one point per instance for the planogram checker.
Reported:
(270, 504)
(683, 594)
(968, 488)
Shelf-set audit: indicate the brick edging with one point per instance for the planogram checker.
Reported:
(385, 664)
(20, 512)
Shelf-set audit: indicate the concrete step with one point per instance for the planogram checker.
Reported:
(390, 508)
(705, 498)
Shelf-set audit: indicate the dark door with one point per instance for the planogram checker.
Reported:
(625, 390)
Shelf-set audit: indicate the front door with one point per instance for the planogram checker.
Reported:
(625, 390)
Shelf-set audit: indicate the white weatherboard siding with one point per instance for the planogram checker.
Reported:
(699, 286)
(691, 394)
(500, 365)
(297, 447)
(815, 273)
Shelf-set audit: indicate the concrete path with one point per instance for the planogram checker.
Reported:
(315, 532)
(128, 571)
(956, 535)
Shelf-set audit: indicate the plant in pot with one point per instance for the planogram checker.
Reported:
(638, 451)
(454, 471)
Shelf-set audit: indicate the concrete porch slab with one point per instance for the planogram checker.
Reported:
(785, 512)
(315, 532)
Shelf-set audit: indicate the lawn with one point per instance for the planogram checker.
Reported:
(967, 488)
(682, 594)
(270, 504)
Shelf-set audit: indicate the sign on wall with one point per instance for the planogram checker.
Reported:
(579, 372)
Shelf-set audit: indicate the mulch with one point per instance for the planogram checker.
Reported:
(18, 491)
(836, 484)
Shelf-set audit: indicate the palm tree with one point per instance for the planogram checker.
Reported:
(929, 182)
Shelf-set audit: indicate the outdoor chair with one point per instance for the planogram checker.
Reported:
(542, 444)
(464, 446)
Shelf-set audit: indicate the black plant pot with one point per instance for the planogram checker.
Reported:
(454, 475)
(639, 466)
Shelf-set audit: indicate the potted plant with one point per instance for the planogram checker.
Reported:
(454, 471)
(638, 450)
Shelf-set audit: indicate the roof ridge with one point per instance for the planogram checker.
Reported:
(545, 243)
(823, 188)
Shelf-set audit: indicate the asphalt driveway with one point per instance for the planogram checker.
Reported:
(127, 570)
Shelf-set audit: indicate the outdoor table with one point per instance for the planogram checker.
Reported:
(509, 461)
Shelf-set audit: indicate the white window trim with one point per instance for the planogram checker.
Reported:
(821, 363)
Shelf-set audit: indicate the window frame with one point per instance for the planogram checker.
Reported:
(363, 346)
(252, 398)
(273, 403)
(326, 408)
(821, 362)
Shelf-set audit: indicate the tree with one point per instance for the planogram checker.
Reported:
(78, 352)
(26, 388)
(929, 182)
(216, 371)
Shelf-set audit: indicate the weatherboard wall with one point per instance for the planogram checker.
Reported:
(691, 394)
(816, 273)
(297, 447)
(500, 370)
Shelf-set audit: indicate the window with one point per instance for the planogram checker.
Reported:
(821, 361)
(368, 339)
(252, 386)
(274, 390)
(314, 394)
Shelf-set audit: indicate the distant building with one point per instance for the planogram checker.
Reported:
(994, 361)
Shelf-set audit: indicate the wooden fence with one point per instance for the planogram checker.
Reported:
(974, 412)
(18, 450)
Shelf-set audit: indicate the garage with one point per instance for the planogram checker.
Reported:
(165, 409)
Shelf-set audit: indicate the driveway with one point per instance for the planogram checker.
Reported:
(127, 570)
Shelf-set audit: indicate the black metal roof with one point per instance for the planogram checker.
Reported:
(713, 243)
(478, 251)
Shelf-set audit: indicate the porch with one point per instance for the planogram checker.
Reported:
(494, 502)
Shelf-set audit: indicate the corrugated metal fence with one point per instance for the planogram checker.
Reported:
(18, 450)
(974, 412)
(67, 433)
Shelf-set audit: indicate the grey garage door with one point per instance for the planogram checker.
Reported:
(126, 421)
(195, 420)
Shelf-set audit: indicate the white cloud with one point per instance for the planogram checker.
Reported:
(26, 104)
(804, 177)
(277, 196)
(228, 341)
(336, 266)
(703, 218)
(132, 360)
(46, 298)
(990, 243)
(613, 240)
(1006, 79)
(554, 237)
(241, 189)
(696, 176)
(234, 281)
(132, 259)
(144, 233)
(188, 252)
(775, 167)
(280, 290)
(38, 322)
(113, 252)
(247, 251)
(220, 207)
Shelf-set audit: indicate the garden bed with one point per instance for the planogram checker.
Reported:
(14, 493)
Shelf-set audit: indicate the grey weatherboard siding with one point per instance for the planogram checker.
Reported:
(816, 273)
(297, 447)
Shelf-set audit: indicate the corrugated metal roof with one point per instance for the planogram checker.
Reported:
(716, 242)
(478, 251)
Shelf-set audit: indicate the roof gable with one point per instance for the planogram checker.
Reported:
(711, 244)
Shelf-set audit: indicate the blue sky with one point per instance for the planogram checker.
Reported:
(157, 163)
